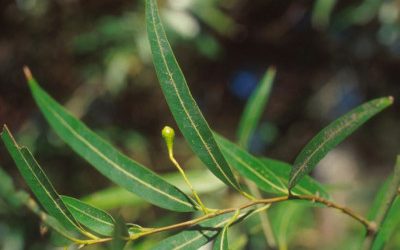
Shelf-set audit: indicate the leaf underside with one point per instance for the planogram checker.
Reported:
(181, 103)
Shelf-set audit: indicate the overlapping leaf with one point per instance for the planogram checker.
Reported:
(254, 108)
(39, 183)
(93, 218)
(332, 135)
(106, 159)
(197, 236)
(307, 185)
(221, 242)
(251, 167)
(181, 103)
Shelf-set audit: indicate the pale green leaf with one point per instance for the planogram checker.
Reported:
(221, 242)
(286, 219)
(91, 217)
(254, 108)
(108, 160)
(332, 135)
(181, 103)
(114, 197)
(38, 182)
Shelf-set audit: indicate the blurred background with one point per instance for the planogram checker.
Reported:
(93, 56)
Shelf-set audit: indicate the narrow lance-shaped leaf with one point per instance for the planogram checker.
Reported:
(251, 167)
(254, 108)
(385, 210)
(181, 103)
(221, 242)
(332, 135)
(108, 160)
(38, 182)
(199, 235)
(93, 218)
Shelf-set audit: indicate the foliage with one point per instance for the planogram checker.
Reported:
(84, 224)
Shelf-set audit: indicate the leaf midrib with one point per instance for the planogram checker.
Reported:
(45, 189)
(116, 166)
(201, 235)
(258, 174)
(180, 98)
(329, 137)
(89, 215)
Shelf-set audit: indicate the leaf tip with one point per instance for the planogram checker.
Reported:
(391, 99)
(27, 73)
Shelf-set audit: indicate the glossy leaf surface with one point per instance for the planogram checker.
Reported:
(108, 160)
(93, 218)
(181, 103)
(332, 135)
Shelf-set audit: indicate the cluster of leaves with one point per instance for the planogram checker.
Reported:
(83, 224)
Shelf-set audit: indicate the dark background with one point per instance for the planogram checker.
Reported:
(93, 56)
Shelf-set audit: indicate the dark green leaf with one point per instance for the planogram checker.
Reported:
(120, 235)
(38, 182)
(181, 103)
(93, 218)
(251, 167)
(254, 108)
(199, 235)
(332, 135)
(307, 185)
(108, 160)
(389, 225)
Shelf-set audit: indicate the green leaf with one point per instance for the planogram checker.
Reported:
(306, 186)
(388, 227)
(181, 103)
(251, 167)
(114, 197)
(120, 235)
(254, 108)
(221, 242)
(199, 235)
(332, 135)
(38, 182)
(93, 218)
(286, 219)
(108, 160)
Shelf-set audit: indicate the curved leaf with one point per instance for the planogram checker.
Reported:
(254, 108)
(251, 167)
(93, 218)
(181, 103)
(108, 160)
(332, 135)
(39, 183)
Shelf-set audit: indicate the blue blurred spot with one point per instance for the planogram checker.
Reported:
(350, 97)
(243, 84)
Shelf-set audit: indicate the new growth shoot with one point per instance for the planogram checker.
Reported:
(168, 134)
